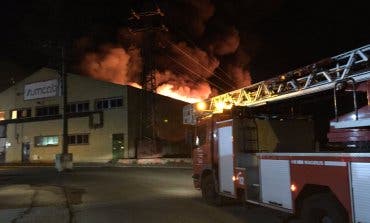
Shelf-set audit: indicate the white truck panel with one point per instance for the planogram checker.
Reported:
(275, 183)
(226, 160)
(361, 196)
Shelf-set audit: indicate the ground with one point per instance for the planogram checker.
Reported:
(113, 194)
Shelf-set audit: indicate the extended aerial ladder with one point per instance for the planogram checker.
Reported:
(314, 78)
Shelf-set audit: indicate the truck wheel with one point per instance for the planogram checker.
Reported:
(322, 208)
(209, 193)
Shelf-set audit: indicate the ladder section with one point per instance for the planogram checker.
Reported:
(310, 79)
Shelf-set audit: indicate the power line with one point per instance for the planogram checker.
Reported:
(225, 73)
(193, 72)
(197, 62)
(194, 45)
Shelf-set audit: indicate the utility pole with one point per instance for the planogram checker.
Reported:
(64, 161)
(65, 99)
(147, 21)
(56, 51)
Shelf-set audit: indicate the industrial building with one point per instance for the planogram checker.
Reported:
(103, 120)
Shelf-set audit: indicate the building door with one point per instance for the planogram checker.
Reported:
(25, 152)
(118, 146)
(2, 149)
(2, 141)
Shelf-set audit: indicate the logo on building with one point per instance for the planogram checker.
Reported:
(42, 89)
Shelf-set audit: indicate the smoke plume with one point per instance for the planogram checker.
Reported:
(113, 63)
(183, 70)
(225, 44)
(204, 10)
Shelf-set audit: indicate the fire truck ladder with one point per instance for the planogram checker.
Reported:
(317, 77)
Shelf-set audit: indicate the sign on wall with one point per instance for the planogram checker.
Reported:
(42, 89)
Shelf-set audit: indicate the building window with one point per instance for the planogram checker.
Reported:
(47, 111)
(78, 139)
(46, 141)
(20, 113)
(2, 116)
(78, 107)
(108, 103)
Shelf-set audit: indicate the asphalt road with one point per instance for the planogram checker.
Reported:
(122, 194)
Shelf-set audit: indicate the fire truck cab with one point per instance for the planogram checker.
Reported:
(305, 151)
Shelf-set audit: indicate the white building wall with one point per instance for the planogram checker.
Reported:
(80, 88)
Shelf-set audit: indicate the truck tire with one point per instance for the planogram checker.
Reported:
(323, 208)
(209, 193)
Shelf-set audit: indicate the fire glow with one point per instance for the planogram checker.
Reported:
(119, 66)
(182, 70)
(168, 90)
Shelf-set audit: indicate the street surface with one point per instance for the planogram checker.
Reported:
(121, 194)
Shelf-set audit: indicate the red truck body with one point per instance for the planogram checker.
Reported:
(293, 151)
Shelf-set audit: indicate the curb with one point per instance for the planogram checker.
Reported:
(100, 166)
(154, 166)
(179, 163)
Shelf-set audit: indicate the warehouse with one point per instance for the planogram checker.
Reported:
(103, 120)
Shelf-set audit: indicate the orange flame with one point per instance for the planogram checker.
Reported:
(179, 94)
(170, 90)
(135, 85)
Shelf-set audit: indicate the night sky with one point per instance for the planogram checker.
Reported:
(275, 35)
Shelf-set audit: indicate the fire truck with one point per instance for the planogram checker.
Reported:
(298, 143)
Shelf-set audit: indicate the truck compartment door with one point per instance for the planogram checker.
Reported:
(275, 183)
(360, 188)
(225, 157)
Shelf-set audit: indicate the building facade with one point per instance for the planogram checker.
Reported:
(103, 120)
